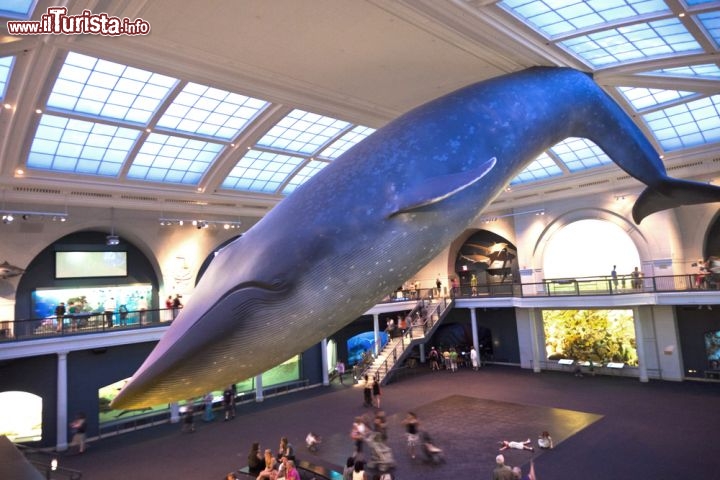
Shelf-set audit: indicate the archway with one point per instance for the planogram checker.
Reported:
(485, 258)
(24, 424)
(589, 247)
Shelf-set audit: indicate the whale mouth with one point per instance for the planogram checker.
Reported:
(173, 370)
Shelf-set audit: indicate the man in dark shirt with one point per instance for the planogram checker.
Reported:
(229, 403)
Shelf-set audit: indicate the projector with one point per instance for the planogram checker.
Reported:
(112, 240)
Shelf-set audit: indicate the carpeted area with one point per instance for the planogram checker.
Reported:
(465, 424)
(605, 428)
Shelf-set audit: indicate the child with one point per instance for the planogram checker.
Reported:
(545, 440)
(504, 445)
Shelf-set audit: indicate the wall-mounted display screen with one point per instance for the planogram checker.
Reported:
(84, 264)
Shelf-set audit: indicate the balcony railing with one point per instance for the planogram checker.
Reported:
(98, 322)
(84, 323)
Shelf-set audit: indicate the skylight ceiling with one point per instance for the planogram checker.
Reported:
(622, 34)
(21, 9)
(120, 123)
(110, 120)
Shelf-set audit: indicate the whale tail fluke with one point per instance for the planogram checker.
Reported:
(671, 193)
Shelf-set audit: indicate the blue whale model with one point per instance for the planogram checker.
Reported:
(375, 216)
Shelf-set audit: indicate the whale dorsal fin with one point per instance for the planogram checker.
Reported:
(439, 188)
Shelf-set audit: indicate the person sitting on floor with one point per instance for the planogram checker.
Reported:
(270, 472)
(545, 441)
(256, 462)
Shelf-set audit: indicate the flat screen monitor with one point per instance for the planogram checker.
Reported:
(84, 264)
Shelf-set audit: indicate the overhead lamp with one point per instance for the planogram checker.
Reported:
(8, 216)
(112, 239)
(200, 223)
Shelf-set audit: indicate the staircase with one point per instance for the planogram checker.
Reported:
(427, 315)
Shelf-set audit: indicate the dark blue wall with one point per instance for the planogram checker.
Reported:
(88, 371)
(499, 321)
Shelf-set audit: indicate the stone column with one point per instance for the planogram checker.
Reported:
(640, 344)
(62, 402)
(376, 334)
(259, 388)
(534, 338)
(473, 324)
(324, 361)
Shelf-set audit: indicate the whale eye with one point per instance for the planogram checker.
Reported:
(277, 283)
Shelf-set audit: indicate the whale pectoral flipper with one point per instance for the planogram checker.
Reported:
(671, 193)
(440, 188)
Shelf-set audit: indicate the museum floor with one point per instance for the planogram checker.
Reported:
(605, 428)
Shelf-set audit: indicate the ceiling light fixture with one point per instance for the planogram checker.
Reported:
(112, 239)
(8, 216)
(200, 224)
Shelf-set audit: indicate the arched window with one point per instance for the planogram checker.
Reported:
(587, 248)
(21, 420)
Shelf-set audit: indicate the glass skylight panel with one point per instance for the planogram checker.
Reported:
(580, 154)
(108, 90)
(17, 8)
(260, 171)
(541, 168)
(344, 143)
(708, 70)
(6, 64)
(633, 42)
(211, 112)
(168, 159)
(303, 175)
(688, 125)
(711, 22)
(557, 17)
(77, 146)
(642, 98)
(302, 132)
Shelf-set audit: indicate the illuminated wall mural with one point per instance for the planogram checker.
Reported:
(599, 336)
(286, 372)
(361, 343)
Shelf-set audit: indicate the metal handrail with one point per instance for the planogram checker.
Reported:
(426, 321)
(95, 322)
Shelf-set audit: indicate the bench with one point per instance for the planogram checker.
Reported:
(244, 471)
(311, 471)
